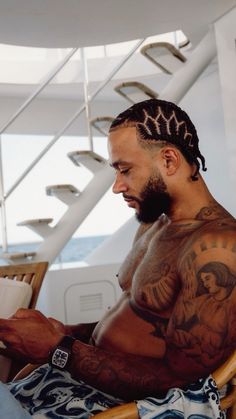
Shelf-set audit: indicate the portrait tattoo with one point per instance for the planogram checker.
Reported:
(216, 279)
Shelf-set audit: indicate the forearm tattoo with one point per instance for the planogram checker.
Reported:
(124, 375)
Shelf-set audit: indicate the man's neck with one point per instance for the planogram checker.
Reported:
(193, 200)
(206, 210)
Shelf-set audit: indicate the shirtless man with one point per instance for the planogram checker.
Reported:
(173, 323)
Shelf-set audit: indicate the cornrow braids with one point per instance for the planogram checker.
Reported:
(159, 120)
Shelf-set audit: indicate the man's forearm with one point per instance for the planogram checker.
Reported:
(125, 376)
(81, 331)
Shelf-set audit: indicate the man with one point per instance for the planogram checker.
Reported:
(159, 335)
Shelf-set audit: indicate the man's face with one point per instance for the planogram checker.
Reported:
(137, 175)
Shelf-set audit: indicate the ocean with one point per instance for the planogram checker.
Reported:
(76, 249)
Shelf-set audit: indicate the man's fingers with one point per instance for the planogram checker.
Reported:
(4, 326)
(25, 313)
(21, 313)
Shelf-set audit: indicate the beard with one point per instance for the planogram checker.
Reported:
(154, 200)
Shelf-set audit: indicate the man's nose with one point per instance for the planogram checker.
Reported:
(119, 186)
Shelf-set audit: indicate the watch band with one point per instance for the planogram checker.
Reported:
(60, 356)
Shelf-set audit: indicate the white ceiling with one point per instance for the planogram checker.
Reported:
(68, 23)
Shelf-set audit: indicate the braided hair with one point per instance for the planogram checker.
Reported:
(159, 120)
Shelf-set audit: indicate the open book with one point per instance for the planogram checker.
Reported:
(13, 295)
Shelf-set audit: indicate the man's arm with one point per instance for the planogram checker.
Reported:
(202, 325)
(32, 336)
(124, 375)
(29, 335)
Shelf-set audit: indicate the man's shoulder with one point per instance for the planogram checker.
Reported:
(213, 242)
(220, 227)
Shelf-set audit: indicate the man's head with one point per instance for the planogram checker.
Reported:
(136, 135)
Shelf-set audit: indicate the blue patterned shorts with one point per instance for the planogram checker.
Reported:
(51, 393)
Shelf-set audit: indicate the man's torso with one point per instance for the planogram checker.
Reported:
(164, 309)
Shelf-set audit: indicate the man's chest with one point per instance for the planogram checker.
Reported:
(156, 283)
(150, 271)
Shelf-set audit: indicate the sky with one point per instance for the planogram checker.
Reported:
(30, 201)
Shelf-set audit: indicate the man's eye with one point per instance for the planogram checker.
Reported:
(124, 171)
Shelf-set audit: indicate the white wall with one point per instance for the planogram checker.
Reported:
(204, 105)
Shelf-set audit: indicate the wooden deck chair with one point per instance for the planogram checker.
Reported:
(32, 274)
(223, 375)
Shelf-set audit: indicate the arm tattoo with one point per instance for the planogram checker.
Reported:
(124, 375)
(203, 322)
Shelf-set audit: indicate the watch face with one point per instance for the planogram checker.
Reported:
(60, 358)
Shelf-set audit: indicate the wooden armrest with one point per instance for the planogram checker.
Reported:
(229, 399)
(125, 411)
(225, 372)
(25, 371)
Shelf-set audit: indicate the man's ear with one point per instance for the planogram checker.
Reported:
(171, 159)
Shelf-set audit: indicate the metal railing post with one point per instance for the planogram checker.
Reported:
(2, 204)
(43, 84)
(86, 97)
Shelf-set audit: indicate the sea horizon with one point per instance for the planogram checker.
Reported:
(76, 250)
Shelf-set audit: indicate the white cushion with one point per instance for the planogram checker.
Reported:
(13, 295)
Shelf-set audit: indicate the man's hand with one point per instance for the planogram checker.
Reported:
(59, 326)
(28, 334)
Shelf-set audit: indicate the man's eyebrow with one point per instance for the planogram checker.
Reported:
(118, 163)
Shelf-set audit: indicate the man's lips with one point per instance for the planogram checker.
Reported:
(131, 201)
